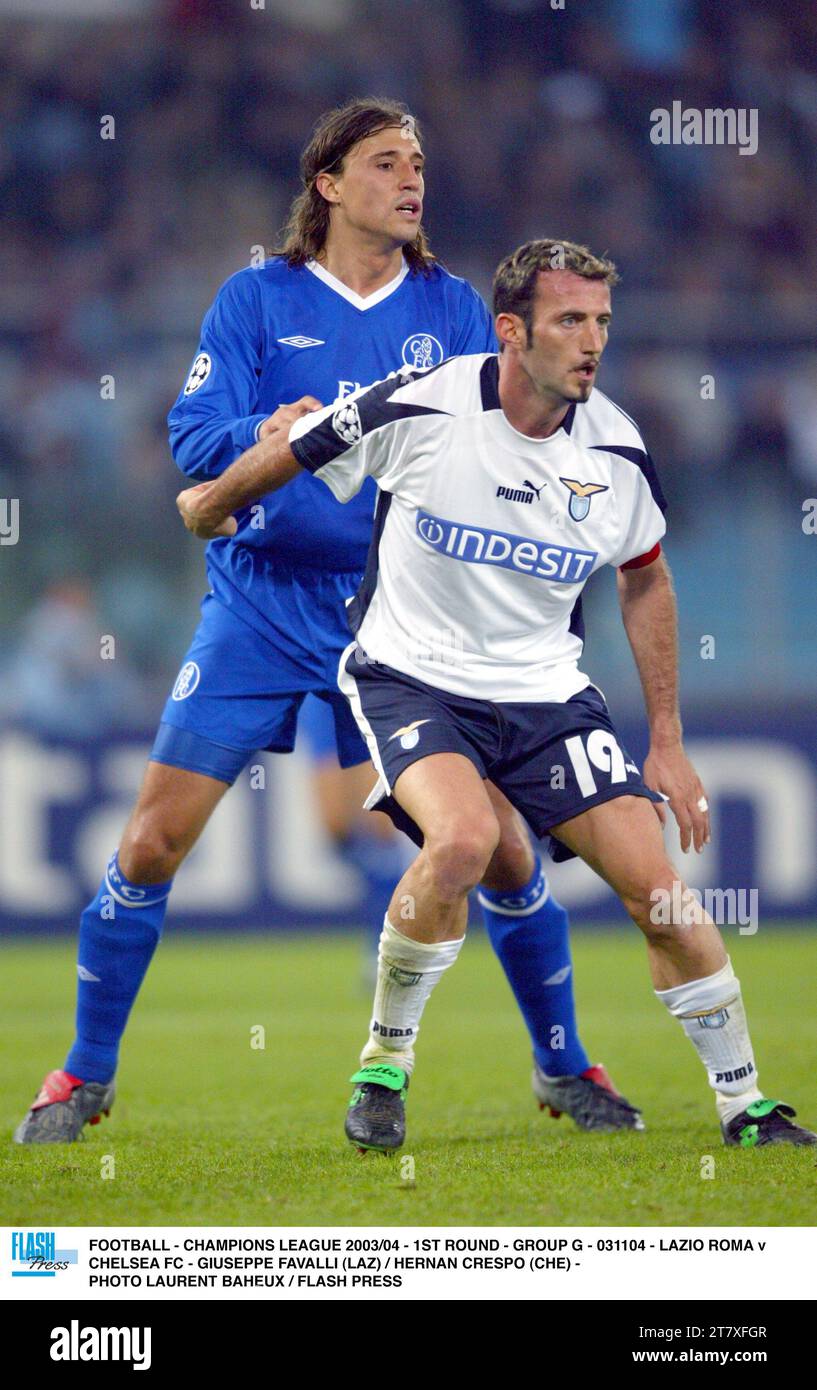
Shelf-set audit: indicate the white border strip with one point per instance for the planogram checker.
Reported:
(515, 911)
(358, 300)
(348, 687)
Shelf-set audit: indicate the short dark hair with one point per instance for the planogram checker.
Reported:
(335, 134)
(515, 279)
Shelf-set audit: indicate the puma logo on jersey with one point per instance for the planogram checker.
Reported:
(581, 495)
(518, 494)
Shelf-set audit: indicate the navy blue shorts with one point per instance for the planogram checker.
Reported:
(552, 761)
(237, 692)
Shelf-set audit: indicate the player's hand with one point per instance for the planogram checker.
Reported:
(668, 770)
(200, 517)
(286, 415)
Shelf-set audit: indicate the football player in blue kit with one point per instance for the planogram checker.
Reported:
(353, 295)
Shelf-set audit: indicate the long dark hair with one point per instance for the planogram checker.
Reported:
(304, 235)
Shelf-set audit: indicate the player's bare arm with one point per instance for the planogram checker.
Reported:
(649, 612)
(207, 508)
(285, 416)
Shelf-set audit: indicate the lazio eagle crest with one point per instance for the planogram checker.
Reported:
(409, 735)
(580, 496)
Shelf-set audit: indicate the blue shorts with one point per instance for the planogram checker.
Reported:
(552, 761)
(237, 692)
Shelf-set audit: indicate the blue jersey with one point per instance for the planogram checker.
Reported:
(276, 333)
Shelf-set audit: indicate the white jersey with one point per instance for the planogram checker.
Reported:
(484, 538)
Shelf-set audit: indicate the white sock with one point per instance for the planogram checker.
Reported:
(712, 1016)
(407, 972)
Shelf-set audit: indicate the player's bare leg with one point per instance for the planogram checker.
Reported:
(530, 933)
(121, 935)
(691, 972)
(422, 935)
(172, 808)
(621, 840)
(513, 860)
(339, 795)
(446, 797)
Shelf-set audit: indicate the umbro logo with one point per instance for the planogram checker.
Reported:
(526, 493)
(300, 341)
(559, 977)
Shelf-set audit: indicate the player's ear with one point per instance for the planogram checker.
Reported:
(328, 189)
(511, 331)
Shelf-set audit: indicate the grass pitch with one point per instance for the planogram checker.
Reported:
(208, 1130)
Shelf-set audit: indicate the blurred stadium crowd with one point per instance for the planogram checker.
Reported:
(536, 121)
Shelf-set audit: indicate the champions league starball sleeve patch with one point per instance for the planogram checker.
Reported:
(199, 373)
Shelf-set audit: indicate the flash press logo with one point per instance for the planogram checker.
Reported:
(75, 1343)
(34, 1255)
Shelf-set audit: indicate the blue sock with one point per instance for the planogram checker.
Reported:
(529, 931)
(119, 932)
(381, 863)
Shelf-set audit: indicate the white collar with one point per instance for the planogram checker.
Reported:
(533, 438)
(358, 300)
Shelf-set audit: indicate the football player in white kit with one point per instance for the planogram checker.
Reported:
(491, 517)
